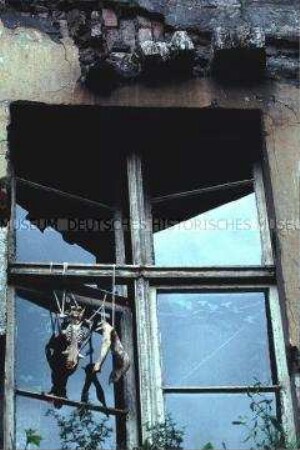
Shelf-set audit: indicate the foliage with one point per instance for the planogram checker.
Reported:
(263, 427)
(164, 436)
(208, 446)
(80, 428)
(32, 438)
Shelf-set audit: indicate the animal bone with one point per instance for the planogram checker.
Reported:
(106, 330)
(60, 370)
(111, 341)
(122, 360)
(75, 335)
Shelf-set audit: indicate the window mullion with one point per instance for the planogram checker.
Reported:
(130, 399)
(140, 218)
(266, 245)
(150, 385)
(150, 393)
(119, 237)
(286, 397)
(9, 398)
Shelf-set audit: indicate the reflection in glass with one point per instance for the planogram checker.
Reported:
(34, 414)
(226, 235)
(214, 339)
(208, 418)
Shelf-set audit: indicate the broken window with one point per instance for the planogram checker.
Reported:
(225, 235)
(74, 350)
(68, 188)
(197, 310)
(204, 199)
(213, 303)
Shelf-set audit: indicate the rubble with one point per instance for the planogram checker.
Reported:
(126, 41)
(181, 42)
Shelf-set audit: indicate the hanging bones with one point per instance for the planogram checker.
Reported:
(112, 342)
(75, 335)
(122, 360)
(70, 332)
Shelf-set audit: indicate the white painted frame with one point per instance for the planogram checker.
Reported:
(276, 331)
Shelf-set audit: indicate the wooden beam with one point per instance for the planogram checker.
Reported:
(125, 273)
(140, 215)
(261, 203)
(201, 191)
(51, 398)
(45, 299)
(71, 272)
(219, 389)
(64, 194)
(128, 391)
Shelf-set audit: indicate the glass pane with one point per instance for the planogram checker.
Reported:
(32, 370)
(214, 339)
(34, 414)
(224, 236)
(208, 419)
(34, 245)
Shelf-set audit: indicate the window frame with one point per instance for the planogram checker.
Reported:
(144, 387)
(276, 343)
(152, 278)
(18, 273)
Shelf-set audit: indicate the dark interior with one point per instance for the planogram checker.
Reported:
(80, 150)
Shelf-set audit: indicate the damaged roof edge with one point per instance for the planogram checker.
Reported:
(125, 40)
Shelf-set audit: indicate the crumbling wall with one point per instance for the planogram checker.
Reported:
(123, 41)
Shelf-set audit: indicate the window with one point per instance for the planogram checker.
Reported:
(68, 203)
(177, 221)
(223, 348)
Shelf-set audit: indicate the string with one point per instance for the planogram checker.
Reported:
(64, 302)
(101, 307)
(57, 303)
(73, 298)
(113, 303)
(103, 315)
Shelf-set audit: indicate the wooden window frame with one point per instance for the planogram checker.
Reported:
(239, 278)
(62, 275)
(142, 278)
(276, 341)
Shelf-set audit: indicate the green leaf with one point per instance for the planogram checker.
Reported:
(208, 446)
(32, 437)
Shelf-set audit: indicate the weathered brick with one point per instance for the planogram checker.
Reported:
(127, 28)
(145, 34)
(112, 37)
(143, 22)
(109, 18)
(158, 30)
